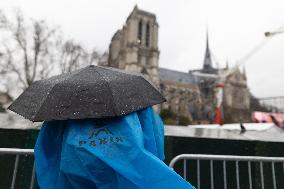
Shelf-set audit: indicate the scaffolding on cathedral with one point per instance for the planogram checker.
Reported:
(276, 104)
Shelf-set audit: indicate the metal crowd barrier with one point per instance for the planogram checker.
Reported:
(183, 158)
(230, 158)
(18, 152)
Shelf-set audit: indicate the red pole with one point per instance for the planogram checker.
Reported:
(218, 119)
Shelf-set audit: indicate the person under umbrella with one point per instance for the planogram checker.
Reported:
(124, 152)
(117, 146)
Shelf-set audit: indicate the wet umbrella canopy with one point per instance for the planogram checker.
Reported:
(91, 92)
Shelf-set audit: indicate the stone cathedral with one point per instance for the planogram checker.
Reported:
(135, 48)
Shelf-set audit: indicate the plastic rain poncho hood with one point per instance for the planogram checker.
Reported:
(119, 153)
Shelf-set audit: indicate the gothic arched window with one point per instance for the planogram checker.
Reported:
(140, 28)
(147, 35)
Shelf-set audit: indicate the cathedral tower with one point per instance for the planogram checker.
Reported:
(135, 46)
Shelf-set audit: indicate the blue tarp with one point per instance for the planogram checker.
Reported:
(118, 153)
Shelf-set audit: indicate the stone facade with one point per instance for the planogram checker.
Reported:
(135, 48)
(236, 92)
(237, 98)
(182, 94)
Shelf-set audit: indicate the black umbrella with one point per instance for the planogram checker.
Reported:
(91, 92)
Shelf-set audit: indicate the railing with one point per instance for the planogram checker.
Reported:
(18, 152)
(224, 159)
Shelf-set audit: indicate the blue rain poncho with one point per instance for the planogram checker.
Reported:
(117, 153)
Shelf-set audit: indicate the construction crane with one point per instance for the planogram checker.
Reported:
(273, 33)
(222, 76)
(220, 79)
(270, 34)
(241, 62)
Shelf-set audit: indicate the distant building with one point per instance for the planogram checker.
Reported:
(236, 95)
(5, 98)
(135, 48)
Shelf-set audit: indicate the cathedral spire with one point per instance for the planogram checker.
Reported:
(207, 63)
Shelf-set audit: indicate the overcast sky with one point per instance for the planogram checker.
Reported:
(234, 26)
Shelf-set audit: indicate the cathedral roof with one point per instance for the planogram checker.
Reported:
(176, 76)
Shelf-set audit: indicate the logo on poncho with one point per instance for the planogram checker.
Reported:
(102, 136)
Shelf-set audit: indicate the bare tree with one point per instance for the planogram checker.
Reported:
(27, 51)
(31, 50)
(74, 56)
